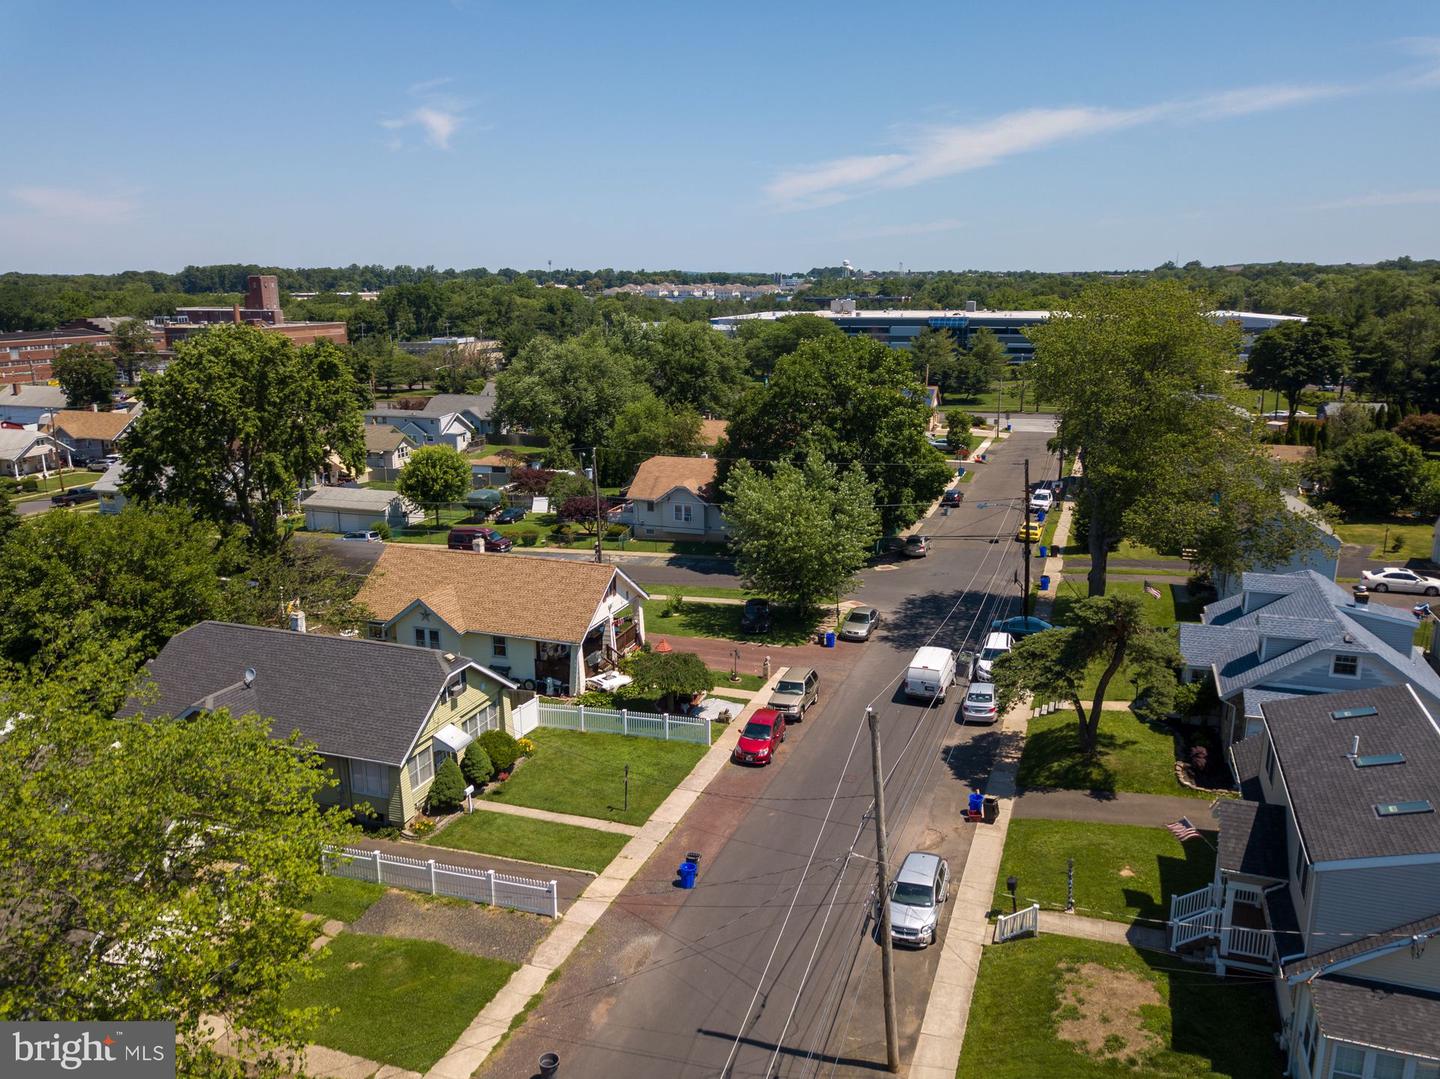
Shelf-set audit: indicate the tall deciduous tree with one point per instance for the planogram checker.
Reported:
(644, 428)
(433, 476)
(979, 366)
(574, 389)
(935, 357)
(692, 366)
(87, 376)
(153, 869)
(1377, 473)
(1294, 355)
(802, 533)
(237, 422)
(134, 346)
(855, 402)
(1421, 429)
(1123, 366)
(766, 340)
(1107, 630)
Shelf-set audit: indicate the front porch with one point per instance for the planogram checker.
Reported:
(619, 631)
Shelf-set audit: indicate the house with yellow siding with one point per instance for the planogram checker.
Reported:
(384, 716)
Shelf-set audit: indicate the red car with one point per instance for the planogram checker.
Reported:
(760, 738)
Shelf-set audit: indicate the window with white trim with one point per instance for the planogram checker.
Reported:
(1387, 1066)
(421, 768)
(487, 719)
(499, 646)
(683, 512)
(1345, 666)
(1349, 1063)
(370, 779)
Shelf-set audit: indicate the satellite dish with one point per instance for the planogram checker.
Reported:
(249, 677)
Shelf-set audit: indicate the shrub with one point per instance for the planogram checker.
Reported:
(675, 604)
(529, 536)
(563, 535)
(382, 528)
(29, 483)
(596, 698)
(614, 532)
(501, 748)
(423, 826)
(447, 790)
(476, 766)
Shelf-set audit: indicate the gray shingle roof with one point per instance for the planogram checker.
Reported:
(351, 697)
(1254, 697)
(33, 396)
(1426, 927)
(444, 404)
(1333, 801)
(1386, 1017)
(1203, 645)
(350, 498)
(1252, 838)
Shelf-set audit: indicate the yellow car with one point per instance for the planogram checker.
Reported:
(1028, 533)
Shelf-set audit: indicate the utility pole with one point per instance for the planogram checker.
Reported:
(882, 862)
(1025, 501)
(595, 476)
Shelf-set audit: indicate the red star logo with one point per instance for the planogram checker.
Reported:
(109, 1040)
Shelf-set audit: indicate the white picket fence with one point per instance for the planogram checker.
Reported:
(1009, 926)
(579, 717)
(477, 885)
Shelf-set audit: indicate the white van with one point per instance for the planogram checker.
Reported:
(930, 673)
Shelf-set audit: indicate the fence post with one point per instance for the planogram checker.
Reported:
(582, 719)
(491, 874)
(554, 900)
(378, 879)
(667, 726)
(708, 739)
(432, 876)
(624, 721)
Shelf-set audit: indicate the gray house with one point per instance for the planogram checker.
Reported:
(447, 419)
(675, 498)
(356, 509)
(1327, 880)
(1296, 634)
(29, 405)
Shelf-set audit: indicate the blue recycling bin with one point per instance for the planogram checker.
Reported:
(829, 638)
(1042, 551)
(1044, 582)
(687, 871)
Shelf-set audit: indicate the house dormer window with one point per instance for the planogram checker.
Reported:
(1345, 666)
(683, 513)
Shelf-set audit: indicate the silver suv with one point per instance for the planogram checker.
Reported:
(922, 884)
(796, 691)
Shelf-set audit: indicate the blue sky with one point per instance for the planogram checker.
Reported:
(742, 136)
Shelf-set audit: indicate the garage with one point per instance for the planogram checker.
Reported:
(355, 509)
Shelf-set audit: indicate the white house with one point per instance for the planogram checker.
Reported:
(386, 450)
(528, 618)
(355, 509)
(447, 419)
(29, 405)
(24, 453)
(675, 498)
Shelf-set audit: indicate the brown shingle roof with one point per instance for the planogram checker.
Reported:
(382, 438)
(658, 476)
(508, 595)
(78, 423)
(712, 431)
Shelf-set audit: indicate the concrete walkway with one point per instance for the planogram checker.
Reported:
(1112, 807)
(1077, 925)
(487, 805)
(569, 883)
(487, 1028)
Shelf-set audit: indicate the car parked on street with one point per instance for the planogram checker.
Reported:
(1021, 626)
(953, 496)
(919, 888)
(1042, 499)
(980, 704)
(510, 515)
(797, 690)
(996, 645)
(1395, 579)
(361, 537)
(760, 738)
(859, 624)
(916, 546)
(1028, 533)
(74, 496)
(755, 616)
(462, 538)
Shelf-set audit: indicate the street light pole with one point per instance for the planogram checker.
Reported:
(1025, 501)
(882, 862)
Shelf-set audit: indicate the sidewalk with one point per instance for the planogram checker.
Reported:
(1112, 807)
(488, 1027)
(1077, 925)
(485, 805)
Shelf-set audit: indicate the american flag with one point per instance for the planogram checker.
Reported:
(1151, 590)
(1183, 830)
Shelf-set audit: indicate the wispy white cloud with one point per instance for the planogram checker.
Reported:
(1428, 196)
(935, 152)
(919, 228)
(1428, 51)
(437, 117)
(418, 89)
(74, 204)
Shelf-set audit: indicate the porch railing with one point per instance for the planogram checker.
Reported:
(1196, 927)
(1237, 940)
(1184, 905)
(1022, 922)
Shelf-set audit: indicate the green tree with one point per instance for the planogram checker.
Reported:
(670, 676)
(134, 346)
(1123, 368)
(476, 766)
(1294, 355)
(855, 402)
(87, 376)
(237, 423)
(801, 533)
(644, 428)
(1377, 473)
(1345, 423)
(433, 476)
(9, 519)
(302, 574)
(1421, 429)
(447, 789)
(935, 357)
(693, 367)
(153, 869)
(766, 340)
(979, 366)
(134, 577)
(1108, 631)
(957, 424)
(572, 389)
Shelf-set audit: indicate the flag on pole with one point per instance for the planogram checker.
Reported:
(1151, 590)
(1183, 830)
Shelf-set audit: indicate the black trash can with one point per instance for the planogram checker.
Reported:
(549, 1065)
(992, 810)
(693, 857)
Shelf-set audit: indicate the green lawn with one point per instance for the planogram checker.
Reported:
(532, 840)
(1122, 872)
(1203, 1028)
(1174, 605)
(1133, 756)
(343, 898)
(584, 774)
(698, 591)
(723, 620)
(400, 1002)
(747, 681)
(1414, 537)
(49, 484)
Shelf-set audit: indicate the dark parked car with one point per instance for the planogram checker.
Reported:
(953, 496)
(74, 496)
(510, 516)
(1020, 626)
(755, 618)
(463, 539)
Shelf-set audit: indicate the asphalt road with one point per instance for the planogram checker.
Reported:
(768, 967)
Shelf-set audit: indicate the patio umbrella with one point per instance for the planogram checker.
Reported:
(663, 646)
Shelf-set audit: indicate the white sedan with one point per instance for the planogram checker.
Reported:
(1042, 499)
(1392, 579)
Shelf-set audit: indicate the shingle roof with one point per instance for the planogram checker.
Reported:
(81, 423)
(33, 396)
(1252, 838)
(1385, 1017)
(1332, 800)
(383, 438)
(658, 476)
(444, 404)
(508, 595)
(14, 444)
(1253, 698)
(109, 483)
(1421, 927)
(712, 431)
(1204, 645)
(1290, 454)
(351, 697)
(349, 498)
